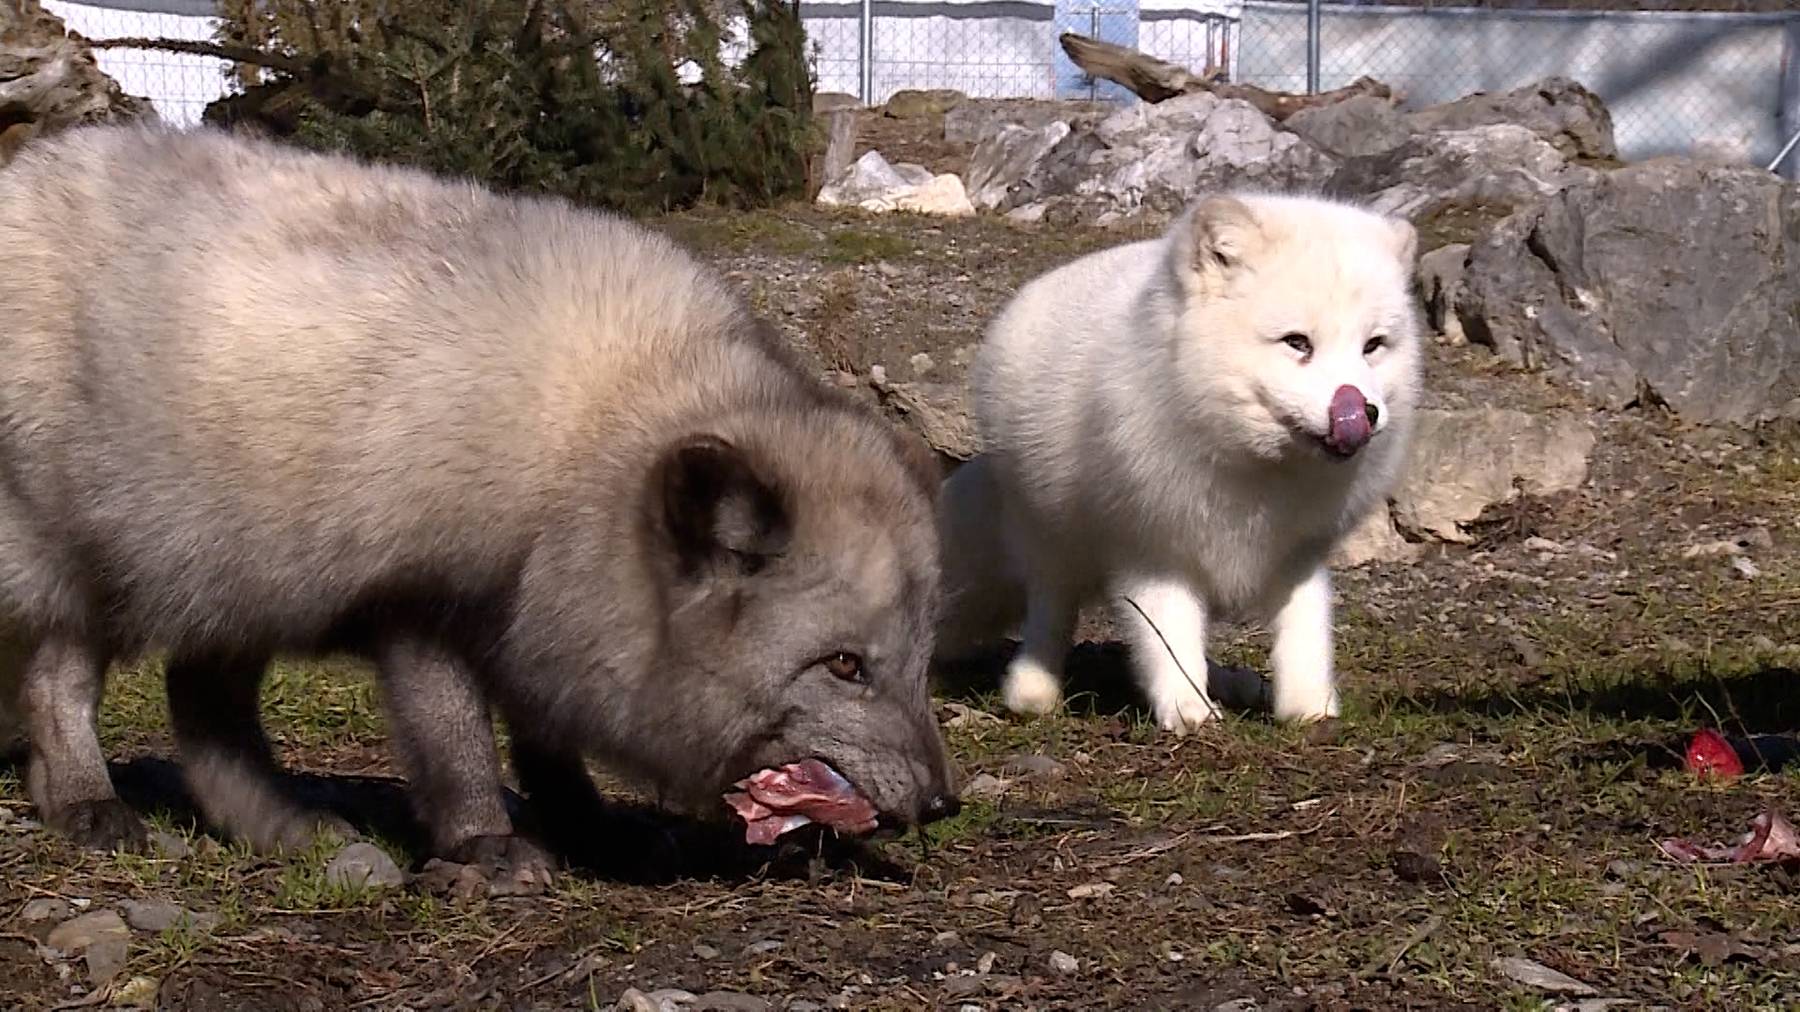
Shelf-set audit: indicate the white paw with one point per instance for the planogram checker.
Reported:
(1029, 689)
(1180, 709)
(1296, 707)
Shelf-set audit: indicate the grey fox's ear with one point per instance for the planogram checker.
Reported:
(1215, 237)
(713, 505)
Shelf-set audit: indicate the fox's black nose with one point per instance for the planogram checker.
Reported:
(941, 806)
(1373, 412)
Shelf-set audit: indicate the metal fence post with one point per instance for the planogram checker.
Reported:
(1312, 46)
(866, 53)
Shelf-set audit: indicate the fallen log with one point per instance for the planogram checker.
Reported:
(1155, 80)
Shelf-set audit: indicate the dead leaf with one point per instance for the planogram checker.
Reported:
(1771, 838)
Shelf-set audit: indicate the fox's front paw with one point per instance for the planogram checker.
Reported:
(1305, 707)
(1030, 689)
(1181, 708)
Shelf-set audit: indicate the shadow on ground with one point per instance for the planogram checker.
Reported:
(628, 843)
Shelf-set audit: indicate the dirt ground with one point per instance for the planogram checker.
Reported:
(1508, 762)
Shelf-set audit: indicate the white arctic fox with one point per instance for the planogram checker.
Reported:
(1186, 425)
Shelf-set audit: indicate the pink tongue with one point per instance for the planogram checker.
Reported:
(774, 801)
(1349, 420)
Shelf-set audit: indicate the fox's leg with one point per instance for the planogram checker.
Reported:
(1165, 623)
(1033, 680)
(1302, 655)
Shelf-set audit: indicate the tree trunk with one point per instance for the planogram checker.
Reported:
(1155, 80)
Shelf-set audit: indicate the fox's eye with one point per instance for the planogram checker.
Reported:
(1375, 344)
(1299, 342)
(846, 666)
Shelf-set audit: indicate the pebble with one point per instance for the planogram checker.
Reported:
(985, 786)
(922, 364)
(1062, 962)
(46, 909)
(758, 948)
(170, 846)
(634, 1000)
(363, 864)
(705, 951)
(151, 915)
(138, 992)
(77, 934)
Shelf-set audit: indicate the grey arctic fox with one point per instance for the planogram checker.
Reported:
(523, 456)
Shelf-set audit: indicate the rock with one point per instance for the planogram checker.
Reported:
(985, 787)
(634, 1000)
(911, 103)
(729, 1001)
(867, 178)
(1063, 963)
(1669, 281)
(152, 915)
(49, 80)
(105, 958)
(705, 951)
(840, 143)
(1159, 156)
(1375, 539)
(1357, 126)
(1466, 460)
(45, 908)
(939, 412)
(363, 865)
(978, 119)
(672, 999)
(1440, 275)
(834, 101)
(170, 846)
(74, 936)
(1566, 115)
(1534, 974)
(873, 184)
(138, 992)
(1007, 157)
(1501, 166)
(941, 195)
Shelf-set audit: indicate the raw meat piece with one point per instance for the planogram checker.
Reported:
(774, 801)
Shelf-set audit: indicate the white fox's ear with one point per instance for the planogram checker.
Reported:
(1406, 240)
(1215, 237)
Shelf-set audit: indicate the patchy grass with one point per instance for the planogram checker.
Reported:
(1508, 760)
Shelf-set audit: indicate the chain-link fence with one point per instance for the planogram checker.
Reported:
(1720, 77)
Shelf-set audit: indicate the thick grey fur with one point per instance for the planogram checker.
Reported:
(258, 401)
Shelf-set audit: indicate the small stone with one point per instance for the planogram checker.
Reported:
(985, 965)
(1173, 880)
(151, 915)
(1092, 890)
(1545, 545)
(105, 958)
(705, 951)
(77, 935)
(945, 939)
(1037, 766)
(170, 846)
(363, 865)
(729, 1001)
(138, 992)
(1236, 1005)
(803, 1005)
(922, 364)
(634, 1000)
(985, 786)
(46, 909)
(758, 948)
(672, 999)
(1062, 962)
